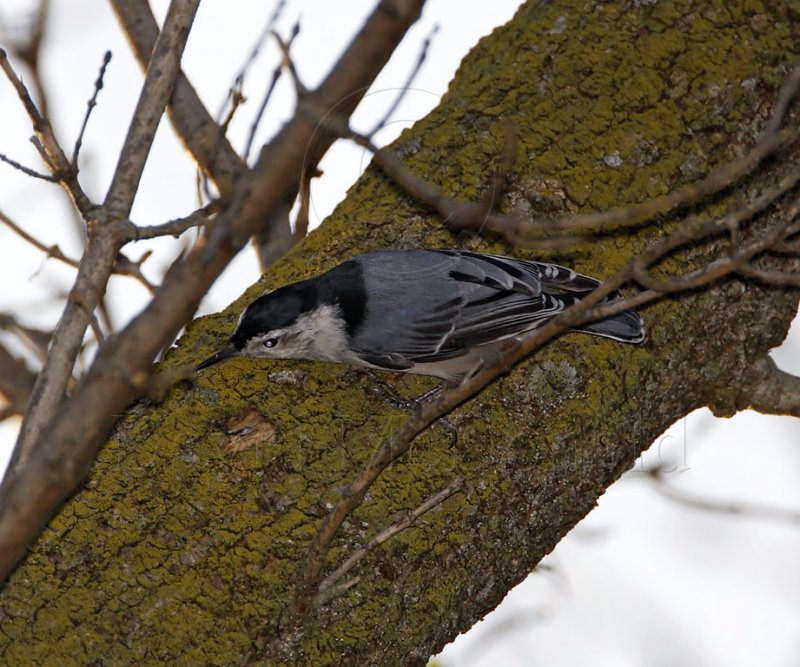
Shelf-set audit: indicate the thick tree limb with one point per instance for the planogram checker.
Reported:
(770, 390)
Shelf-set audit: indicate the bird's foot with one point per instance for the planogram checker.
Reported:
(382, 390)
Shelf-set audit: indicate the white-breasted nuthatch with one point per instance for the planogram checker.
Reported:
(433, 312)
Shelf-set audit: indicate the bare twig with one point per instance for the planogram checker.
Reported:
(133, 268)
(403, 90)
(276, 74)
(175, 228)
(36, 340)
(98, 86)
(46, 142)
(288, 63)
(387, 533)
(49, 250)
(235, 95)
(755, 510)
(27, 170)
(251, 134)
(460, 215)
(122, 267)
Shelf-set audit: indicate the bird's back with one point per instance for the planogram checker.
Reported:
(430, 306)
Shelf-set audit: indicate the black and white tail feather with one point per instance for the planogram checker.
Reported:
(434, 312)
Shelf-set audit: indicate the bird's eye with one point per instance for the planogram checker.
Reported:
(270, 342)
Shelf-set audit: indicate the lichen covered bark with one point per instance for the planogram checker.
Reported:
(179, 552)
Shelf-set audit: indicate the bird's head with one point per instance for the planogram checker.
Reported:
(278, 325)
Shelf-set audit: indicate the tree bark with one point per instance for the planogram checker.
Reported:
(177, 551)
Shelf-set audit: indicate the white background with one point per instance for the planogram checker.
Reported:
(643, 579)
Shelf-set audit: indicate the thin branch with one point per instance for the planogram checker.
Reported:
(387, 533)
(49, 250)
(276, 75)
(235, 95)
(36, 340)
(251, 134)
(288, 63)
(133, 269)
(122, 267)
(178, 226)
(755, 510)
(27, 170)
(403, 90)
(98, 86)
(46, 142)
(461, 215)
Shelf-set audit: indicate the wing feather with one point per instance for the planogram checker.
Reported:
(500, 297)
(466, 300)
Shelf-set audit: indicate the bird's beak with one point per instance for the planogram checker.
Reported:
(229, 350)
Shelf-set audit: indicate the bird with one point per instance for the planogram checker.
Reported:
(429, 312)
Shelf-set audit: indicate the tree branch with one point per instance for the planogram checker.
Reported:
(16, 381)
(107, 235)
(162, 71)
(27, 499)
(50, 150)
(90, 105)
(771, 390)
(735, 508)
(197, 129)
(409, 519)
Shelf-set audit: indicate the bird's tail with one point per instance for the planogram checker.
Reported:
(626, 327)
(570, 287)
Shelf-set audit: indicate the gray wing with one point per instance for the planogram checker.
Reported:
(436, 305)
